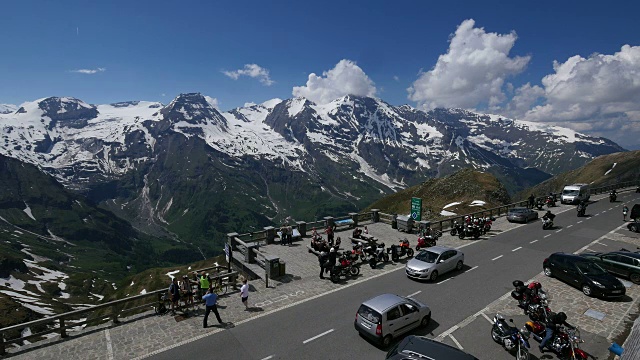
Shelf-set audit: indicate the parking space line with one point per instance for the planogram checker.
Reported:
(546, 236)
(596, 214)
(531, 242)
(317, 336)
(268, 357)
(444, 281)
(496, 258)
(456, 341)
(580, 222)
(558, 230)
(414, 294)
(516, 249)
(568, 226)
(473, 268)
(486, 317)
(601, 243)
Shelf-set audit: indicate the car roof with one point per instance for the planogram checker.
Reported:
(570, 256)
(421, 347)
(591, 253)
(627, 253)
(382, 302)
(439, 249)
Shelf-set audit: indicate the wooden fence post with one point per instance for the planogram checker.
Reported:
(63, 329)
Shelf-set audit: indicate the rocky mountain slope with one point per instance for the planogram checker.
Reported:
(188, 171)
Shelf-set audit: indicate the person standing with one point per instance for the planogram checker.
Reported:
(211, 300)
(329, 232)
(322, 258)
(244, 294)
(625, 211)
(204, 284)
(174, 290)
(531, 200)
(187, 292)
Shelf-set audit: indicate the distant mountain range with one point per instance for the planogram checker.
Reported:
(187, 171)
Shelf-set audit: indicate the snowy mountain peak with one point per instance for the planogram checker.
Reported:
(193, 109)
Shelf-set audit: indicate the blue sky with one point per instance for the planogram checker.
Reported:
(153, 50)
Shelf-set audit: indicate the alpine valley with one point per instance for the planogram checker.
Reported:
(188, 172)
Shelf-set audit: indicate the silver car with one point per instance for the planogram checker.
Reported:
(387, 316)
(434, 261)
(520, 214)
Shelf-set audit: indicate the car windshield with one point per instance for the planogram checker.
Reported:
(570, 192)
(516, 211)
(369, 314)
(427, 256)
(589, 268)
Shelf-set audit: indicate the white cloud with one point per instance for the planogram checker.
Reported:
(472, 72)
(599, 95)
(213, 102)
(253, 71)
(346, 78)
(396, 78)
(525, 97)
(89, 71)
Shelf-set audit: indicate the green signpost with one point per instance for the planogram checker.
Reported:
(416, 209)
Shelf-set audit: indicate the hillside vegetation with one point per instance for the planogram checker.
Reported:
(464, 186)
(601, 171)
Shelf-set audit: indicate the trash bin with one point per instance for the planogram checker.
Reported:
(394, 222)
(273, 264)
(405, 223)
(283, 268)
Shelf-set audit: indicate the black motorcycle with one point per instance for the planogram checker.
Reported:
(582, 208)
(403, 249)
(612, 197)
(540, 203)
(512, 339)
(456, 229)
(471, 230)
(379, 256)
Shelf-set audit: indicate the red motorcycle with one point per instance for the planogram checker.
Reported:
(425, 242)
(565, 342)
(346, 268)
(358, 252)
(400, 250)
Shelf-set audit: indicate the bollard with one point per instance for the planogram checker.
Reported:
(114, 316)
(302, 228)
(375, 215)
(354, 217)
(270, 233)
(63, 329)
(2, 348)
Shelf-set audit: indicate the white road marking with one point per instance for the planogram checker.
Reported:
(580, 222)
(496, 258)
(444, 281)
(602, 243)
(546, 236)
(267, 358)
(516, 249)
(486, 317)
(596, 214)
(456, 341)
(531, 242)
(317, 336)
(414, 294)
(568, 226)
(610, 208)
(109, 345)
(473, 268)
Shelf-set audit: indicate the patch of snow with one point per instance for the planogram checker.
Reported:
(170, 273)
(447, 213)
(608, 171)
(100, 297)
(296, 105)
(131, 283)
(144, 291)
(452, 204)
(478, 203)
(64, 295)
(114, 286)
(27, 211)
(12, 283)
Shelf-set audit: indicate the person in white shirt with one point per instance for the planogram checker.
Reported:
(244, 294)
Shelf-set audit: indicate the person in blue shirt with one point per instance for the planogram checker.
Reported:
(211, 299)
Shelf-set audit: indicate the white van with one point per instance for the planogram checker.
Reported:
(572, 194)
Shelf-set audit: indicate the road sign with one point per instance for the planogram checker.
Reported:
(416, 209)
(226, 251)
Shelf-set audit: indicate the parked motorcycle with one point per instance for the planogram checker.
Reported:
(346, 268)
(403, 249)
(380, 255)
(456, 228)
(547, 223)
(565, 342)
(425, 242)
(471, 230)
(512, 339)
(549, 201)
(540, 204)
(612, 197)
(359, 252)
(533, 302)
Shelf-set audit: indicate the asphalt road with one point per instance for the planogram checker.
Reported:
(322, 328)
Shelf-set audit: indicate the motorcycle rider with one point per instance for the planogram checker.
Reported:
(582, 206)
(548, 215)
(552, 325)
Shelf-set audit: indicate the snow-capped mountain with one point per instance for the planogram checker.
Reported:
(7, 108)
(281, 157)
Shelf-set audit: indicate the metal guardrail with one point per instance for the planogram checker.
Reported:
(116, 308)
(603, 189)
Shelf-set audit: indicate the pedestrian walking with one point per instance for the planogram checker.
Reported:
(244, 294)
(174, 290)
(211, 300)
(625, 211)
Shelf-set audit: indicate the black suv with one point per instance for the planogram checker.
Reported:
(420, 348)
(584, 274)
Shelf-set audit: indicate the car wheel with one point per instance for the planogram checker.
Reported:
(434, 275)
(459, 265)
(635, 278)
(386, 341)
(425, 321)
(547, 271)
(586, 289)
(633, 228)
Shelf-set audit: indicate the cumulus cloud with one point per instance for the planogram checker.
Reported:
(212, 101)
(346, 78)
(471, 73)
(599, 95)
(89, 71)
(253, 71)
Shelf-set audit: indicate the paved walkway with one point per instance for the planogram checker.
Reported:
(145, 334)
